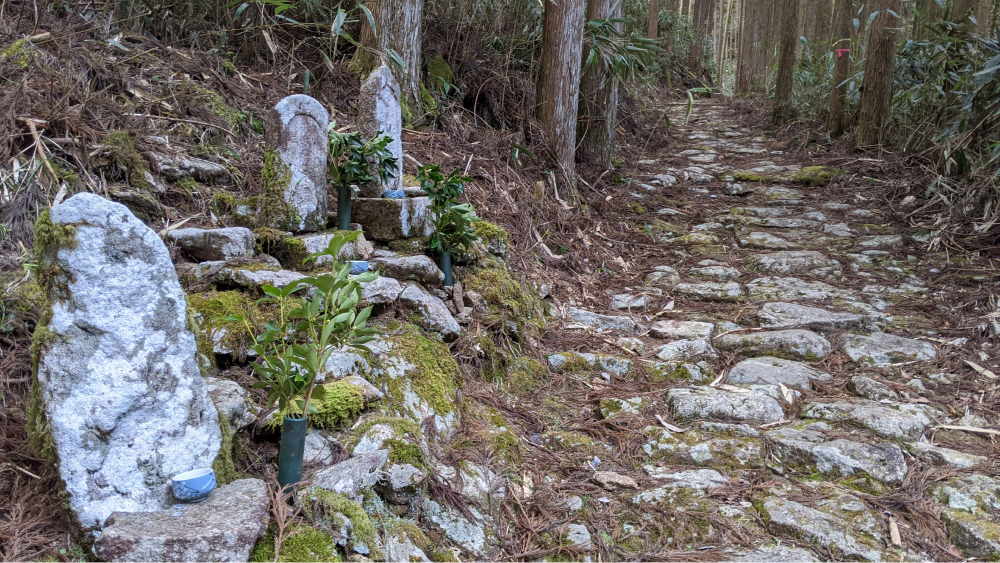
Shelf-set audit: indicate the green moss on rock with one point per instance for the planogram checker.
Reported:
(324, 506)
(121, 152)
(225, 469)
(269, 208)
(290, 251)
(20, 53)
(302, 543)
(439, 73)
(814, 175)
(745, 176)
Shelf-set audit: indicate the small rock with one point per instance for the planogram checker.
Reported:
(721, 273)
(785, 315)
(880, 241)
(611, 480)
(318, 450)
(369, 392)
(352, 476)
(978, 537)
(380, 291)
(870, 389)
(343, 362)
(686, 350)
(224, 527)
(793, 343)
(626, 301)
(232, 402)
(792, 289)
(784, 516)
(420, 268)
(205, 245)
(360, 249)
(936, 455)
(773, 371)
(881, 349)
(605, 322)
(663, 276)
(633, 344)
(903, 421)
(434, 315)
(809, 450)
(708, 402)
(179, 167)
(579, 537)
(975, 494)
(688, 330)
(776, 554)
(709, 291)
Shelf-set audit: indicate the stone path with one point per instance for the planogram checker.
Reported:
(794, 370)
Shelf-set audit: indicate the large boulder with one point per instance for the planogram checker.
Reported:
(125, 406)
(222, 528)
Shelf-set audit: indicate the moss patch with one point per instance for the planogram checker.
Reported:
(302, 543)
(341, 404)
(744, 176)
(211, 307)
(513, 305)
(269, 209)
(814, 175)
(439, 73)
(20, 53)
(289, 250)
(491, 235)
(225, 469)
(213, 101)
(413, 245)
(434, 377)
(122, 155)
(324, 507)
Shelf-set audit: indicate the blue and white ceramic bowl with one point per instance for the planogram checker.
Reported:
(193, 486)
(394, 194)
(358, 267)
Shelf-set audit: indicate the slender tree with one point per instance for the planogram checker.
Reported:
(755, 46)
(842, 66)
(654, 19)
(598, 97)
(781, 111)
(701, 28)
(397, 27)
(824, 21)
(876, 91)
(559, 80)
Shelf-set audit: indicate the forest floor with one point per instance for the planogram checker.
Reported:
(833, 441)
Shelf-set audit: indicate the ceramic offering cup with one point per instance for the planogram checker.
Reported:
(358, 267)
(394, 194)
(193, 486)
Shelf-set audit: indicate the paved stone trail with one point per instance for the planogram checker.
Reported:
(799, 390)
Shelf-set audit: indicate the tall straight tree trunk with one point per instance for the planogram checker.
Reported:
(876, 89)
(984, 18)
(781, 111)
(755, 48)
(842, 66)
(700, 25)
(598, 98)
(559, 80)
(925, 12)
(654, 19)
(398, 28)
(824, 21)
(961, 13)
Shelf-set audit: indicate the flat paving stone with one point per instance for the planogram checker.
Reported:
(903, 421)
(708, 402)
(792, 289)
(774, 371)
(709, 291)
(881, 349)
(783, 315)
(687, 330)
(803, 262)
(809, 450)
(794, 343)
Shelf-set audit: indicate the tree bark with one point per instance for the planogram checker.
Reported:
(755, 48)
(842, 27)
(700, 27)
(984, 18)
(961, 10)
(824, 21)
(598, 98)
(398, 25)
(559, 79)
(654, 18)
(781, 111)
(876, 90)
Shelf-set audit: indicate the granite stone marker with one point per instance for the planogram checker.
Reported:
(297, 128)
(379, 109)
(118, 378)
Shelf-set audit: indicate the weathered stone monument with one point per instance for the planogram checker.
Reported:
(124, 404)
(297, 128)
(379, 110)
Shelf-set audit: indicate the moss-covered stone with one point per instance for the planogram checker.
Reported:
(290, 251)
(328, 508)
(814, 175)
(269, 208)
(302, 543)
(54, 284)
(419, 377)
(494, 237)
(411, 245)
(209, 309)
(514, 306)
(122, 155)
(439, 74)
(225, 469)
(340, 405)
(745, 176)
